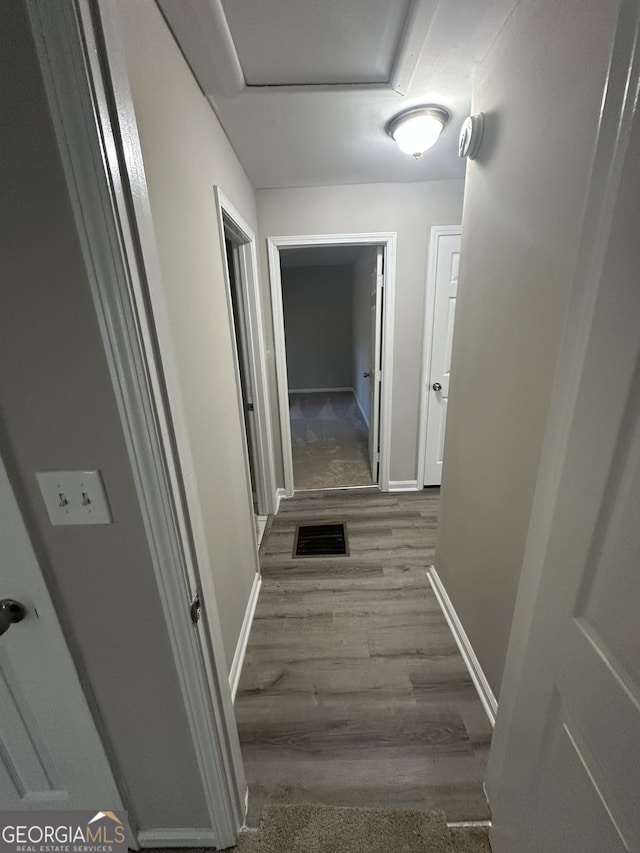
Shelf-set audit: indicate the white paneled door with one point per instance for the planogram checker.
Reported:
(51, 756)
(569, 774)
(442, 287)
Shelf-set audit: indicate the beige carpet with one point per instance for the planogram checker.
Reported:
(339, 829)
(471, 839)
(336, 829)
(329, 441)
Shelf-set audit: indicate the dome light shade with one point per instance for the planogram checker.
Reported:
(416, 130)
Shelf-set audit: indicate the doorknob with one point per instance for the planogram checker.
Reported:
(437, 386)
(366, 375)
(10, 612)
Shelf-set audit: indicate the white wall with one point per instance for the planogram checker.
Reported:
(540, 88)
(410, 210)
(317, 306)
(186, 153)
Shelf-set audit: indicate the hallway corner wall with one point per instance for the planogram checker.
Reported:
(540, 89)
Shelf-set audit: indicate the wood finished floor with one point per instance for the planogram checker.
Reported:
(353, 691)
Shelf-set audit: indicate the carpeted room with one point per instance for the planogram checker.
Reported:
(332, 829)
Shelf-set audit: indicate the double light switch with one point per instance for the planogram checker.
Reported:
(74, 497)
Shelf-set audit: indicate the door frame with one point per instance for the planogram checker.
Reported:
(427, 339)
(386, 239)
(94, 121)
(230, 219)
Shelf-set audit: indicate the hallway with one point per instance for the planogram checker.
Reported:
(329, 439)
(353, 690)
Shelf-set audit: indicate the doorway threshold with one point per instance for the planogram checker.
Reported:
(374, 488)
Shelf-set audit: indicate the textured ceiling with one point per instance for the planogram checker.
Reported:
(313, 129)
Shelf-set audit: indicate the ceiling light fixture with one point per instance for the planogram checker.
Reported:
(416, 130)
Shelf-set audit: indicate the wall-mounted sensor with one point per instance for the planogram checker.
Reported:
(471, 136)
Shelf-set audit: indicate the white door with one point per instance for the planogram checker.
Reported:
(50, 754)
(570, 779)
(442, 291)
(375, 366)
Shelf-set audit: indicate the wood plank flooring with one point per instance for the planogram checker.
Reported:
(353, 691)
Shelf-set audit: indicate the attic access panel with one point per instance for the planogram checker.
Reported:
(321, 540)
(333, 42)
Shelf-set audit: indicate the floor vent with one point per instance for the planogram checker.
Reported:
(321, 540)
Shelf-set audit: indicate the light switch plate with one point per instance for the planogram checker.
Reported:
(74, 497)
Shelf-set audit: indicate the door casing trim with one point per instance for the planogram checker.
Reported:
(250, 286)
(386, 239)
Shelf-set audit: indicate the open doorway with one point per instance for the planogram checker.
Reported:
(246, 390)
(332, 305)
(240, 259)
(333, 310)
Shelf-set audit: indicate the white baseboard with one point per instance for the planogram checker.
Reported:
(177, 838)
(280, 493)
(364, 417)
(404, 486)
(243, 639)
(318, 390)
(478, 677)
